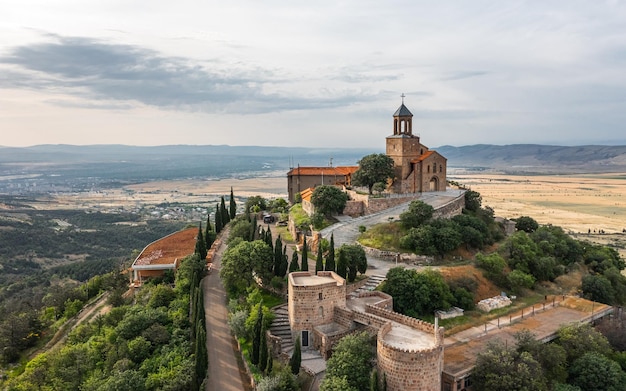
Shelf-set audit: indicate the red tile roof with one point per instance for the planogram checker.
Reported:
(167, 249)
(315, 171)
(422, 157)
(306, 194)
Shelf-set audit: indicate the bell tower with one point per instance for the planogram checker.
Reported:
(403, 147)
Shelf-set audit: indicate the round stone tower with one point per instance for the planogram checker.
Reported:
(410, 364)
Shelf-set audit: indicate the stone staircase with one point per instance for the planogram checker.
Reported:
(280, 328)
(372, 282)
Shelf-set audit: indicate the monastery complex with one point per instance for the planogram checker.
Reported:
(417, 168)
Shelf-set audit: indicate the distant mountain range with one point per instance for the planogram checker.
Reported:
(134, 163)
(533, 158)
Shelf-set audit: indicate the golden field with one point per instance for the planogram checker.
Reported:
(578, 203)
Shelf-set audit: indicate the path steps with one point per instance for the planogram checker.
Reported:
(280, 328)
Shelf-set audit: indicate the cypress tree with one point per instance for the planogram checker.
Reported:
(330, 260)
(268, 237)
(233, 205)
(342, 264)
(218, 219)
(319, 263)
(202, 359)
(305, 256)
(200, 244)
(254, 228)
(224, 211)
(284, 264)
(256, 338)
(278, 257)
(293, 266)
(263, 353)
(270, 363)
(374, 380)
(296, 358)
(209, 235)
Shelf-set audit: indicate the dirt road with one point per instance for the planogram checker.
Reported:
(224, 371)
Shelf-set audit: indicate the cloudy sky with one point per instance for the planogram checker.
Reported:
(311, 73)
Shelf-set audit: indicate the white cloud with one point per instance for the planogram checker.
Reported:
(312, 73)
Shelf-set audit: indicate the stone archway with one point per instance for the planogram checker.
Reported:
(433, 185)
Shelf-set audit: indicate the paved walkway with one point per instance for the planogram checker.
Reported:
(347, 230)
(224, 371)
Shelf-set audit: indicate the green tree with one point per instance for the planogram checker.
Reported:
(219, 224)
(224, 211)
(518, 280)
(232, 206)
(305, 256)
(209, 234)
(598, 288)
(242, 261)
(263, 353)
(417, 294)
(328, 199)
(373, 168)
(417, 214)
(351, 360)
(255, 204)
(374, 382)
(200, 244)
(501, 368)
(256, 337)
(473, 200)
(278, 257)
(354, 258)
(330, 259)
(578, 339)
(293, 265)
(319, 262)
(337, 384)
(595, 372)
(526, 224)
(296, 357)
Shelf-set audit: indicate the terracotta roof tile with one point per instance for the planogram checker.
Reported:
(169, 248)
(341, 170)
(306, 194)
(423, 156)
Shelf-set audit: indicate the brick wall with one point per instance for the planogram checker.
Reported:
(314, 305)
(407, 370)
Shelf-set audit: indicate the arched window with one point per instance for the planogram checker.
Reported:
(440, 168)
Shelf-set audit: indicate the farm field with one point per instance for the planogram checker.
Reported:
(590, 207)
(584, 205)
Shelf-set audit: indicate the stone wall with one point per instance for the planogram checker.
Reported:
(451, 209)
(314, 305)
(409, 370)
(407, 321)
(354, 208)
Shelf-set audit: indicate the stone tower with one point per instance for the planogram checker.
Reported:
(416, 168)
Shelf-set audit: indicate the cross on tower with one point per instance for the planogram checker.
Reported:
(402, 96)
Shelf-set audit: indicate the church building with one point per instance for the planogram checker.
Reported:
(417, 169)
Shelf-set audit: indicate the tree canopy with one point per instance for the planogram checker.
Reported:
(243, 261)
(350, 361)
(374, 168)
(328, 199)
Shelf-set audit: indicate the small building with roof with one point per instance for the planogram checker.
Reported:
(302, 178)
(163, 255)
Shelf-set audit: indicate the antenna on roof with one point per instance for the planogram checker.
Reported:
(330, 163)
